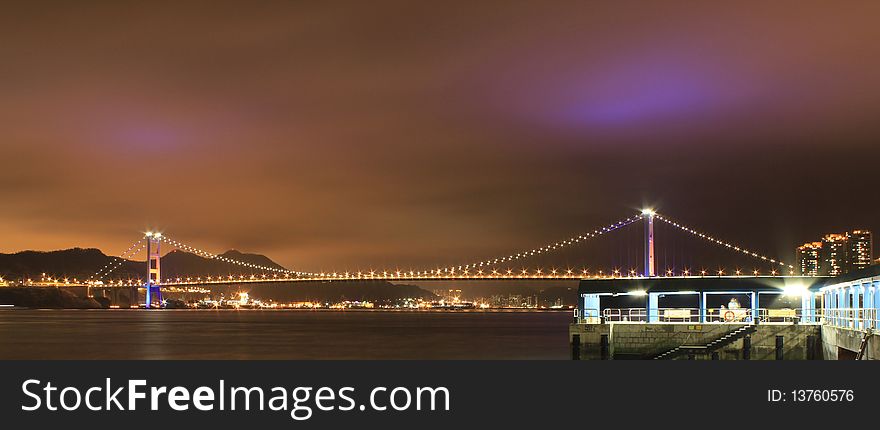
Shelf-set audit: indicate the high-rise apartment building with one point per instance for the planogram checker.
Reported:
(809, 257)
(834, 250)
(860, 252)
(836, 254)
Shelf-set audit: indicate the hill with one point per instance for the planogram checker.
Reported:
(82, 263)
(180, 263)
(45, 298)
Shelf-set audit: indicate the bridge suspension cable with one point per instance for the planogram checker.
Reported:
(711, 239)
(212, 256)
(454, 271)
(490, 262)
(116, 262)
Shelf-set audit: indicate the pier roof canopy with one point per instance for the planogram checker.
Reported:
(866, 274)
(699, 284)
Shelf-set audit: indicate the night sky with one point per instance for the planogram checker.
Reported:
(347, 135)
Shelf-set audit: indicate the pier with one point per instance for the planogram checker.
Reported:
(728, 318)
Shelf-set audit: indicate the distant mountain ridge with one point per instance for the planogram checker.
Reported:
(82, 263)
(181, 263)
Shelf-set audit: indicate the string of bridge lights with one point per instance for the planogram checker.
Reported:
(538, 273)
(182, 246)
(422, 274)
(209, 255)
(124, 259)
(465, 271)
(720, 242)
(121, 258)
(473, 270)
(540, 250)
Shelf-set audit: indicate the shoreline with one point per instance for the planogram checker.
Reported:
(4, 307)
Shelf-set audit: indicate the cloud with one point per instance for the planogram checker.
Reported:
(383, 133)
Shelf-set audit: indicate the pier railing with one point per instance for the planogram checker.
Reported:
(854, 318)
(692, 315)
(673, 315)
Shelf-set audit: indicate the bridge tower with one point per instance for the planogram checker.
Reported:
(154, 273)
(648, 214)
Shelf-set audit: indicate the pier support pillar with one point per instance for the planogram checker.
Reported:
(876, 316)
(780, 351)
(808, 307)
(755, 317)
(590, 308)
(604, 347)
(702, 306)
(652, 310)
(747, 347)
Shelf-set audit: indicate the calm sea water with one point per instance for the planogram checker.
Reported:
(256, 334)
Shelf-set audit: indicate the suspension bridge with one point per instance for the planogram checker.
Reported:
(500, 267)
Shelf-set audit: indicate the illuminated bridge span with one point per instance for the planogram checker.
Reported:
(496, 268)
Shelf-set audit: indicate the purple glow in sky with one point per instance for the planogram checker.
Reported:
(336, 135)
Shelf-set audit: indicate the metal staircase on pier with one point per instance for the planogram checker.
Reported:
(711, 346)
(864, 344)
